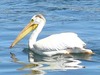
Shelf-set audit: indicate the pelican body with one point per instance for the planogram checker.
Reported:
(63, 43)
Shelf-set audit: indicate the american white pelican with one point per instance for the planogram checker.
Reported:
(54, 44)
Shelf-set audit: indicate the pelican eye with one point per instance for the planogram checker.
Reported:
(32, 20)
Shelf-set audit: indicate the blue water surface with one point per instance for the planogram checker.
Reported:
(79, 16)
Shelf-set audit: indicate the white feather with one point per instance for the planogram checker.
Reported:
(56, 43)
(60, 41)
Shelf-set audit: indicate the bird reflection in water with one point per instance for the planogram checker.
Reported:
(39, 64)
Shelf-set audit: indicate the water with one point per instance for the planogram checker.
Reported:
(79, 16)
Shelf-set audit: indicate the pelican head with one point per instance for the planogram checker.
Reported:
(37, 22)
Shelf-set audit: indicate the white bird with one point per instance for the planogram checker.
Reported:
(54, 44)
